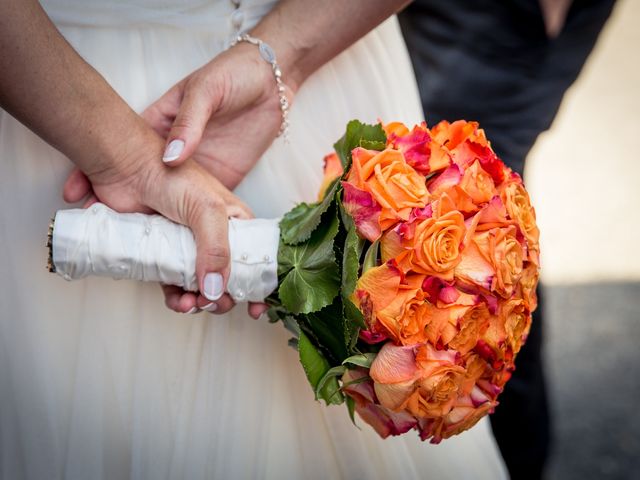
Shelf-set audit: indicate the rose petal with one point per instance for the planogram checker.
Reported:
(489, 162)
(446, 180)
(384, 421)
(415, 147)
(492, 215)
(381, 284)
(360, 391)
(421, 213)
(371, 337)
(391, 245)
(393, 395)
(397, 129)
(332, 170)
(474, 269)
(364, 210)
(448, 294)
(394, 364)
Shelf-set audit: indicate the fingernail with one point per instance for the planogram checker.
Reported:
(173, 150)
(210, 307)
(194, 310)
(213, 286)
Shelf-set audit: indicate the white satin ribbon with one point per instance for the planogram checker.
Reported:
(99, 241)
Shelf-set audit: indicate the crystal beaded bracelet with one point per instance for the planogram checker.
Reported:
(269, 56)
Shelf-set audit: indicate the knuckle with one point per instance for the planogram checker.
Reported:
(214, 202)
(184, 121)
(216, 254)
(201, 203)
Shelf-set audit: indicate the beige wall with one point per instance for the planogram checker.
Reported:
(584, 174)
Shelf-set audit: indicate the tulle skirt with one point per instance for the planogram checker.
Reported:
(98, 380)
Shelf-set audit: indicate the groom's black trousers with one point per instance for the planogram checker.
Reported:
(491, 61)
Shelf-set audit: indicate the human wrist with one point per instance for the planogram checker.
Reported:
(122, 151)
(283, 92)
(288, 52)
(125, 166)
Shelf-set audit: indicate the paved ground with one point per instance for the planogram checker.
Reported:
(593, 365)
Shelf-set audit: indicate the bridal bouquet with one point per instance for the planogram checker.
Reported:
(408, 286)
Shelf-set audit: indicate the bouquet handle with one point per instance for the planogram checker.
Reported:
(98, 241)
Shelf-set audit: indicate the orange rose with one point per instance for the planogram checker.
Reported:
(466, 412)
(421, 380)
(452, 135)
(528, 284)
(387, 297)
(476, 368)
(456, 140)
(375, 290)
(430, 245)
(436, 244)
(449, 183)
(384, 421)
(493, 260)
(405, 317)
(416, 146)
(505, 336)
(457, 324)
(393, 184)
(478, 184)
(516, 200)
(517, 321)
(470, 327)
(464, 142)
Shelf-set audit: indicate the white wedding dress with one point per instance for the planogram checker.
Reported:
(98, 380)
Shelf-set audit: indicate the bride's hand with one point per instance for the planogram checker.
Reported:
(187, 195)
(224, 115)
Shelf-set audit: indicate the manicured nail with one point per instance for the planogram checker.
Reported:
(210, 307)
(173, 150)
(194, 310)
(213, 286)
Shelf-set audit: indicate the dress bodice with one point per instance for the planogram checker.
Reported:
(213, 15)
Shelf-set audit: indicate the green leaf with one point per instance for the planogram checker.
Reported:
(291, 324)
(351, 262)
(273, 314)
(332, 373)
(347, 220)
(298, 224)
(362, 360)
(374, 144)
(371, 257)
(331, 393)
(354, 322)
(315, 367)
(327, 327)
(313, 362)
(351, 408)
(312, 277)
(359, 135)
(366, 378)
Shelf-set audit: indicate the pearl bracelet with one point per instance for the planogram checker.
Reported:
(269, 56)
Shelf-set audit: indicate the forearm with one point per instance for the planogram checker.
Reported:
(46, 85)
(307, 33)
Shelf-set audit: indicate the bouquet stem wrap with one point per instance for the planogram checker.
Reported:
(99, 241)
